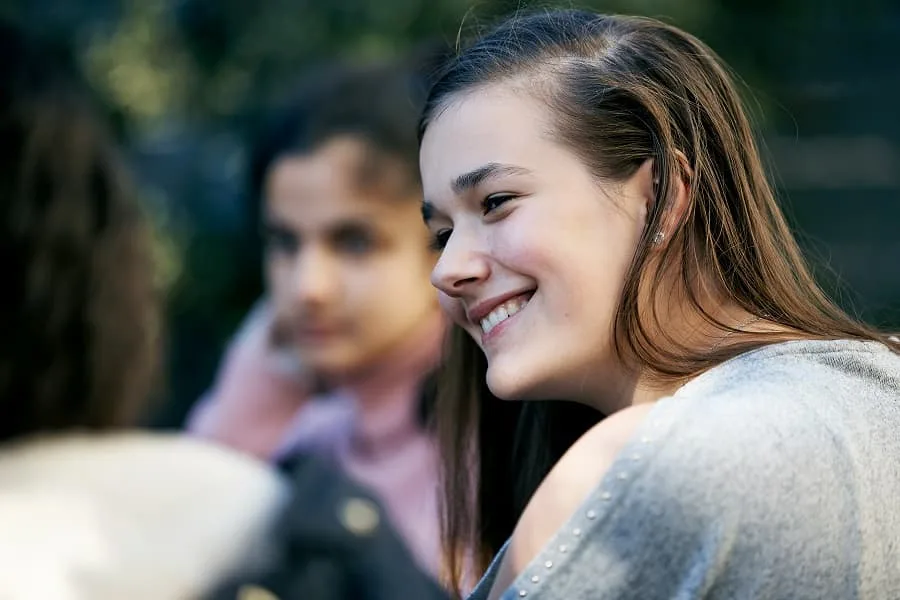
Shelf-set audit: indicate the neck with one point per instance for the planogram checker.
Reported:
(646, 393)
(630, 389)
(695, 334)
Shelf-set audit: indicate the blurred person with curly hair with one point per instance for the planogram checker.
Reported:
(90, 509)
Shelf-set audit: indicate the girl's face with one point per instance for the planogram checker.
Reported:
(347, 264)
(535, 248)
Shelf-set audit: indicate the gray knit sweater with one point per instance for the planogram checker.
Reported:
(775, 475)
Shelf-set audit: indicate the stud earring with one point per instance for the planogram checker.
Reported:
(658, 238)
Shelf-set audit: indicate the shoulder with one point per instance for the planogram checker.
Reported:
(570, 481)
(786, 412)
(717, 446)
(743, 437)
(585, 463)
(106, 516)
(736, 460)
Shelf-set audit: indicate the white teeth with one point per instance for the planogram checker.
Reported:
(502, 313)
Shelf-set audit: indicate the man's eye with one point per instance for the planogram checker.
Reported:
(355, 242)
(280, 241)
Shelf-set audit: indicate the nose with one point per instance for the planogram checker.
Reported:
(462, 265)
(314, 276)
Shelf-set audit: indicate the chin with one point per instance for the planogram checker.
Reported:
(328, 364)
(512, 383)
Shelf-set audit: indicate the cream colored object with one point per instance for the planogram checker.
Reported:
(134, 516)
(252, 592)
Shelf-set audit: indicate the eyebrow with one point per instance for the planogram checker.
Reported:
(273, 224)
(474, 178)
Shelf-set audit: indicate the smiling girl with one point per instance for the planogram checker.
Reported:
(609, 238)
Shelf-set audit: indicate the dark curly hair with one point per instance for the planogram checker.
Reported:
(78, 315)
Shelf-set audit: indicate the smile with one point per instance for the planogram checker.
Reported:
(503, 312)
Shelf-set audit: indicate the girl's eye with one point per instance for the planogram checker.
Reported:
(439, 240)
(494, 201)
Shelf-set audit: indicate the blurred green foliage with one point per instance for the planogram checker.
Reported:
(187, 79)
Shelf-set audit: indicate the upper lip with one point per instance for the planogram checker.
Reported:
(477, 312)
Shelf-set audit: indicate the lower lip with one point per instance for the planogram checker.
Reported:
(491, 335)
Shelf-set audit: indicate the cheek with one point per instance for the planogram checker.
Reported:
(391, 282)
(278, 276)
(578, 261)
(526, 247)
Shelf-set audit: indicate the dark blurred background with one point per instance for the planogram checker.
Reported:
(186, 81)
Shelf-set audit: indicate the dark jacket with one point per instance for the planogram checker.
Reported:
(333, 542)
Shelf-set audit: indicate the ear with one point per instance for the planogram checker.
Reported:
(644, 177)
(678, 206)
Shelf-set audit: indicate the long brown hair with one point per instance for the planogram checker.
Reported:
(80, 311)
(622, 90)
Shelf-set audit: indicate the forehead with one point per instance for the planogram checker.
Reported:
(497, 124)
(330, 185)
